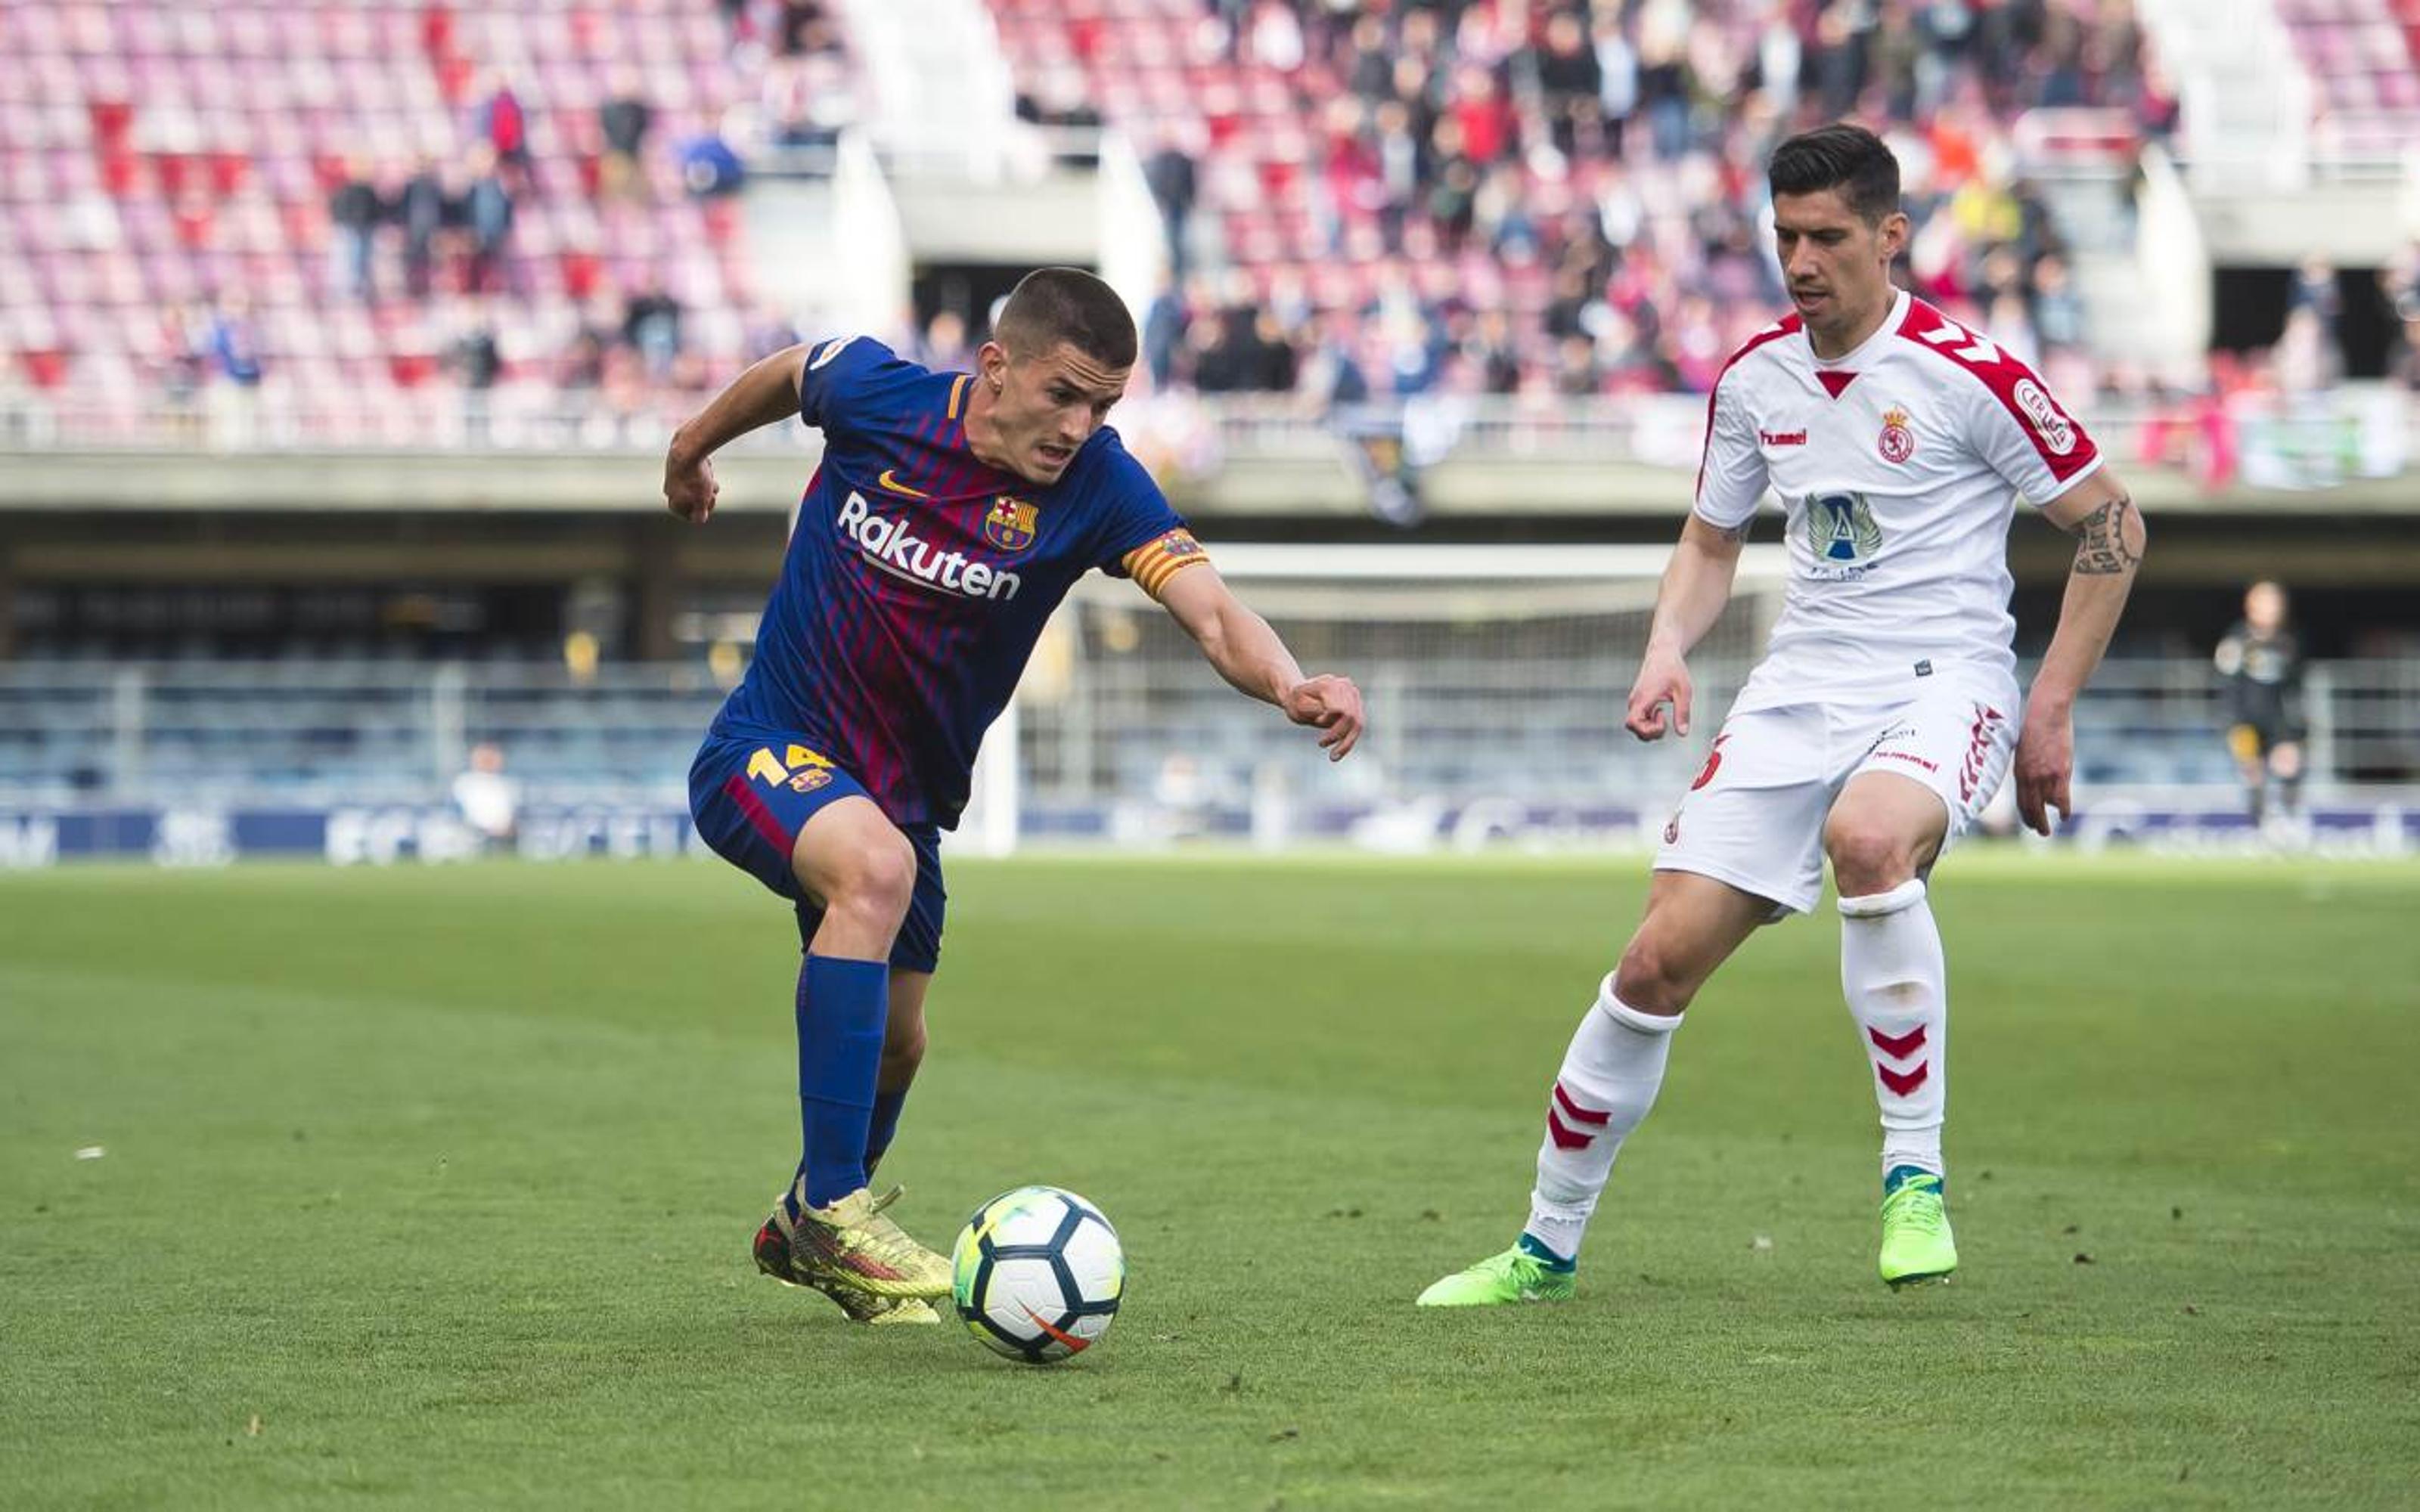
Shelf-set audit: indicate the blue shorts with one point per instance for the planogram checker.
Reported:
(752, 796)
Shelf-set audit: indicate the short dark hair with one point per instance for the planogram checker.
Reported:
(1054, 305)
(1844, 157)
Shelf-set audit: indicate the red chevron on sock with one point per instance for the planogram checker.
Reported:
(1579, 1114)
(1902, 1082)
(1902, 1047)
(1565, 1135)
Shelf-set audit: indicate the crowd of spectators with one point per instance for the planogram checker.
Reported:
(1599, 165)
(1504, 198)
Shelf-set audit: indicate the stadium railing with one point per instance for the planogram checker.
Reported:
(1460, 727)
(2355, 430)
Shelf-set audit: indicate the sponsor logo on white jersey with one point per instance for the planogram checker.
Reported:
(888, 544)
(2042, 410)
(1842, 532)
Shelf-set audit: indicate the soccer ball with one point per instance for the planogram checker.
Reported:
(1037, 1274)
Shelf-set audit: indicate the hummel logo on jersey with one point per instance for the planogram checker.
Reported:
(889, 545)
(1782, 438)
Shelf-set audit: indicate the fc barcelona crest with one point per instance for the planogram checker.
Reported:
(1011, 524)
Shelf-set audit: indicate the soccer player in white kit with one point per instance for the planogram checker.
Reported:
(1885, 712)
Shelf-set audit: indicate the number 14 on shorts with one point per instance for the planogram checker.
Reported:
(801, 769)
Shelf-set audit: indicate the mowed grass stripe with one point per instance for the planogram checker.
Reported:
(562, 1313)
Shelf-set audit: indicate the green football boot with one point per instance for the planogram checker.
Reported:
(851, 1247)
(1916, 1245)
(1520, 1273)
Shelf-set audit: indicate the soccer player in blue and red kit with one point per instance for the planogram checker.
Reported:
(950, 514)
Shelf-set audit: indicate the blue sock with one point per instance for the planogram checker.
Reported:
(1539, 1252)
(884, 1125)
(1899, 1176)
(841, 1008)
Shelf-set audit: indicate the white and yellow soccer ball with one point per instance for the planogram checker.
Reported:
(1037, 1274)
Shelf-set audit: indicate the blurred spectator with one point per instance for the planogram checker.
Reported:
(354, 213)
(1570, 81)
(234, 363)
(487, 220)
(488, 801)
(2398, 291)
(805, 101)
(2260, 666)
(1061, 101)
(804, 27)
(624, 119)
(2058, 313)
(1492, 352)
(1333, 380)
(422, 212)
(180, 362)
(581, 365)
(651, 323)
(1577, 374)
(1163, 333)
(1170, 174)
(942, 346)
(2315, 290)
(477, 360)
(501, 126)
(709, 168)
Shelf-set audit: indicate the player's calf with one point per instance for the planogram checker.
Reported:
(1895, 981)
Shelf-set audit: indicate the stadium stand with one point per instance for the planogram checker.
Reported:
(392, 211)
(2361, 55)
(1374, 192)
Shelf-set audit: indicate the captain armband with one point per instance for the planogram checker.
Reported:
(1152, 565)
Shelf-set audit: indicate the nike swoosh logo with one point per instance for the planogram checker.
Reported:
(896, 486)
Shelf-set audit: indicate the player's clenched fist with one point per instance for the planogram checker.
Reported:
(1330, 703)
(689, 487)
(1662, 679)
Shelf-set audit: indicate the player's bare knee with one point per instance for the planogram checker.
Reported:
(1653, 979)
(1867, 860)
(877, 885)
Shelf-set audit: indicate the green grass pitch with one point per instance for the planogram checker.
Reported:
(432, 1187)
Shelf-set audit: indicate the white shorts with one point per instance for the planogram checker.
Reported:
(1754, 818)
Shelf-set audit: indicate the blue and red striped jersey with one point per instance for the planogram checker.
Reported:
(918, 580)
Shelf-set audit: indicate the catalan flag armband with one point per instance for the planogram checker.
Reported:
(1151, 566)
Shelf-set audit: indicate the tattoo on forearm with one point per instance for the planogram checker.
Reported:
(2100, 540)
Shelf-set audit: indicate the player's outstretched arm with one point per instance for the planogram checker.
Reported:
(2109, 534)
(1697, 584)
(765, 395)
(1248, 654)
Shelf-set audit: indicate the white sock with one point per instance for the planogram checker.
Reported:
(1892, 974)
(1606, 1084)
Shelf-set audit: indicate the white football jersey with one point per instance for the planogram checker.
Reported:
(1896, 466)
